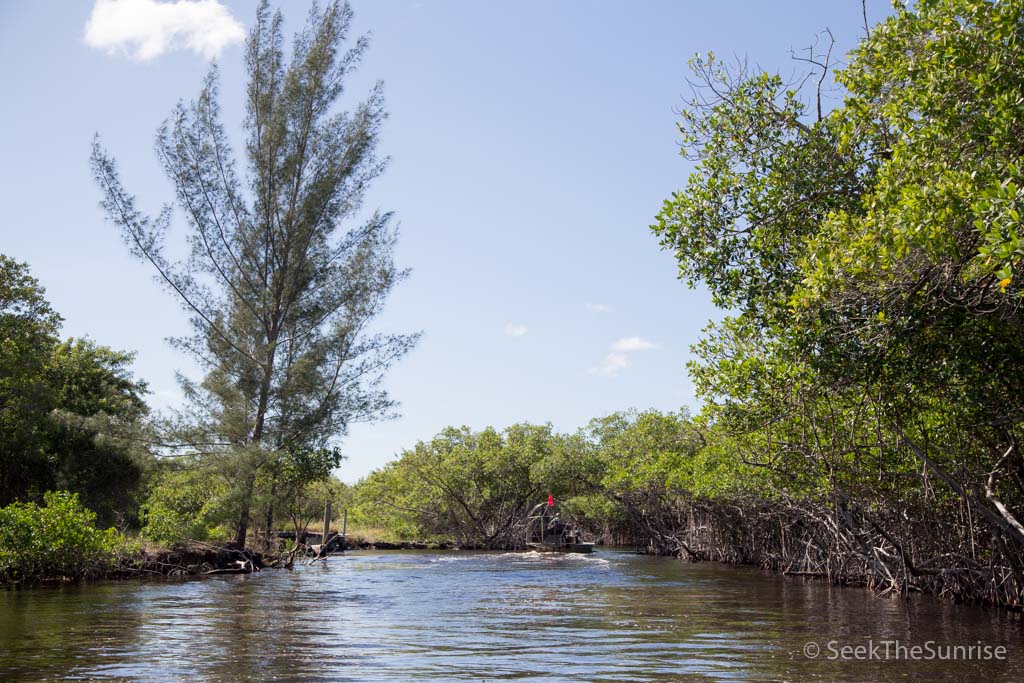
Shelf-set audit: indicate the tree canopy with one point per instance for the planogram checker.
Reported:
(69, 410)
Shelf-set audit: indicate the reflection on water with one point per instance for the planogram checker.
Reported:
(485, 616)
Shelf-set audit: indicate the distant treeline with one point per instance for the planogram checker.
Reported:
(615, 479)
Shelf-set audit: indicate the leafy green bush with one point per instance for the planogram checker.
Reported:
(183, 505)
(56, 540)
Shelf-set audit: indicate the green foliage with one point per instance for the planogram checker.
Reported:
(70, 412)
(94, 429)
(763, 178)
(473, 487)
(389, 498)
(644, 450)
(56, 540)
(592, 510)
(929, 261)
(184, 505)
(28, 335)
(476, 487)
(298, 483)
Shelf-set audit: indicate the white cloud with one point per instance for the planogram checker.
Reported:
(516, 330)
(146, 29)
(612, 365)
(599, 308)
(633, 344)
(618, 358)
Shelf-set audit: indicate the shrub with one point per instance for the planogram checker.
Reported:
(183, 505)
(56, 540)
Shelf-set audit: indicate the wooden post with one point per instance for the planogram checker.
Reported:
(344, 530)
(327, 522)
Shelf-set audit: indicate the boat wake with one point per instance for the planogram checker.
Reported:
(554, 557)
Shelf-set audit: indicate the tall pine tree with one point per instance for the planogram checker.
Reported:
(280, 294)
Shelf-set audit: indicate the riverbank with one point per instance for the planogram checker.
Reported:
(196, 558)
(845, 546)
(190, 559)
(193, 559)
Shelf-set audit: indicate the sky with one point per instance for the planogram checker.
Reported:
(531, 146)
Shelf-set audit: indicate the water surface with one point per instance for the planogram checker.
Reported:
(399, 616)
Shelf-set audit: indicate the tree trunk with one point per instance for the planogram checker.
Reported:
(270, 514)
(257, 435)
(242, 530)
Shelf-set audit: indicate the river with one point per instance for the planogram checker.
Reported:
(405, 616)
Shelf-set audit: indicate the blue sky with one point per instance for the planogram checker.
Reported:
(532, 144)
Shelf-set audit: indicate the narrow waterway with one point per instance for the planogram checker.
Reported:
(611, 616)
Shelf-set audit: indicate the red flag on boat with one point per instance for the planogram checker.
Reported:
(551, 500)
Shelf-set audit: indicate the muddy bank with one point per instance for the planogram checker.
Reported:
(194, 559)
(202, 559)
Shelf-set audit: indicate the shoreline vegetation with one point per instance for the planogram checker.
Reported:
(861, 403)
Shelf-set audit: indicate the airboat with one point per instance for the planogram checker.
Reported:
(547, 532)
